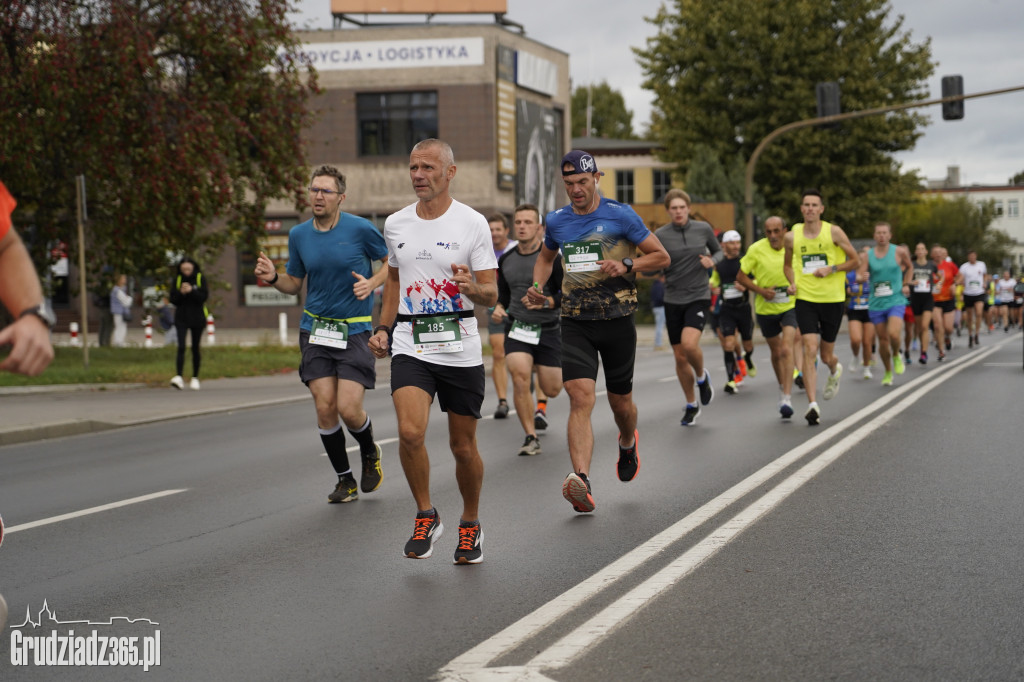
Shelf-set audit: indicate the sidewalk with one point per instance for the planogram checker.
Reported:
(41, 412)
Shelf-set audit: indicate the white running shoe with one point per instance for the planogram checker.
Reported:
(832, 383)
(194, 384)
(178, 382)
(867, 372)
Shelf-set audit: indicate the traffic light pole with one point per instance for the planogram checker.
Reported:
(748, 192)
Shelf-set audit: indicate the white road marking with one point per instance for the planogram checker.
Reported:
(472, 664)
(92, 510)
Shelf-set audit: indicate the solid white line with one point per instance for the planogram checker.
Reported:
(565, 650)
(512, 636)
(92, 510)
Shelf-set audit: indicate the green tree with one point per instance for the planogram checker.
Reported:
(708, 179)
(1017, 179)
(609, 116)
(179, 114)
(957, 224)
(725, 73)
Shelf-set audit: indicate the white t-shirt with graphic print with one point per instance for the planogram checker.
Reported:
(424, 251)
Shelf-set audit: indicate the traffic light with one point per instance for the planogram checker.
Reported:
(828, 98)
(952, 86)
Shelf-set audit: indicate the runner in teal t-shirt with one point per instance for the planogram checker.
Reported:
(889, 271)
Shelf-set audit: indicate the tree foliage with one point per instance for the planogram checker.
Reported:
(177, 112)
(725, 73)
(609, 116)
(1017, 179)
(709, 179)
(957, 224)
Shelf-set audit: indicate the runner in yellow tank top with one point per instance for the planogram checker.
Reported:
(823, 256)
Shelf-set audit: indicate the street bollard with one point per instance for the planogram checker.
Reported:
(211, 337)
(75, 341)
(148, 323)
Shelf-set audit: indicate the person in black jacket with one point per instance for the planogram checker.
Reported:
(188, 294)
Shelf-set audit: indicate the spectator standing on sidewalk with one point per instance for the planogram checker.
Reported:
(188, 294)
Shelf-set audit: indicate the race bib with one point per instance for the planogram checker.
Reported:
(582, 256)
(881, 289)
(437, 334)
(730, 292)
(922, 286)
(527, 333)
(781, 295)
(329, 333)
(813, 261)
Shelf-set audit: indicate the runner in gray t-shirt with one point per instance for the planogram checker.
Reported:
(694, 250)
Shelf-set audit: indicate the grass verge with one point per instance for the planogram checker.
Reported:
(155, 366)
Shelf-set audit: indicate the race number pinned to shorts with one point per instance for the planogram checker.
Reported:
(582, 256)
(881, 289)
(730, 292)
(527, 333)
(813, 261)
(781, 295)
(437, 334)
(327, 333)
(922, 286)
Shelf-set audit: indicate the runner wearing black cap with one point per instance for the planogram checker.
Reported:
(599, 241)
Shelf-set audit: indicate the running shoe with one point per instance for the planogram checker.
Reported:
(576, 489)
(178, 382)
(867, 372)
(502, 411)
(799, 381)
(730, 387)
(923, 359)
(540, 420)
(942, 356)
(887, 379)
(970, 342)
(785, 408)
(832, 383)
(372, 473)
(345, 491)
(977, 341)
(949, 343)
(906, 358)
(751, 370)
(690, 414)
(741, 365)
(707, 391)
(812, 415)
(424, 534)
(629, 460)
(470, 549)
(193, 383)
(531, 446)
(897, 364)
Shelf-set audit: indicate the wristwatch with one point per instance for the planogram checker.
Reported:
(628, 262)
(43, 312)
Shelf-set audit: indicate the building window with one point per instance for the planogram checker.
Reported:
(1013, 208)
(390, 123)
(999, 208)
(625, 189)
(662, 184)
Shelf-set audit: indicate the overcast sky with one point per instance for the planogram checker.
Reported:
(979, 40)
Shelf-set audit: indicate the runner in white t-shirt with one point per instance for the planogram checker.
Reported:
(974, 276)
(440, 265)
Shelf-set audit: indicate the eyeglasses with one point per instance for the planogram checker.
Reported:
(328, 193)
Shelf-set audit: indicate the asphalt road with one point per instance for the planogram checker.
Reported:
(883, 544)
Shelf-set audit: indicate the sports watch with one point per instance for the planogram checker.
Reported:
(628, 262)
(43, 312)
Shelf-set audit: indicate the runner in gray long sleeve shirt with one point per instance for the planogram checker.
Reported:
(694, 250)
